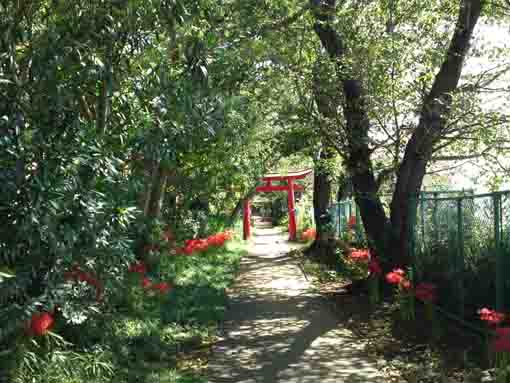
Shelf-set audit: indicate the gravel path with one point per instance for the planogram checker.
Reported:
(278, 330)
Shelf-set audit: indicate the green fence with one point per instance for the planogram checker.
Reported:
(462, 243)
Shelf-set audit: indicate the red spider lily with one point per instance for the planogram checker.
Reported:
(492, 317)
(502, 343)
(405, 284)
(162, 287)
(200, 245)
(309, 234)
(351, 222)
(192, 245)
(146, 283)
(362, 255)
(426, 292)
(217, 239)
(139, 267)
(41, 323)
(374, 268)
(395, 277)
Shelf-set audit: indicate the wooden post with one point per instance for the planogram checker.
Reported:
(246, 220)
(292, 210)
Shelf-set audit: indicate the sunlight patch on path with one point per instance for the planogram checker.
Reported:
(278, 330)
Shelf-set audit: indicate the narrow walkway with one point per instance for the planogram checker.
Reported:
(278, 330)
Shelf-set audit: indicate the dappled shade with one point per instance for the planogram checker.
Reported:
(278, 329)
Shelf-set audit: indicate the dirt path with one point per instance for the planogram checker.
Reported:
(278, 330)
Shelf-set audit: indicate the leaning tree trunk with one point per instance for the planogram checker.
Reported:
(433, 116)
(358, 163)
(393, 237)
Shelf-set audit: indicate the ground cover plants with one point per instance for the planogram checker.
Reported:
(145, 331)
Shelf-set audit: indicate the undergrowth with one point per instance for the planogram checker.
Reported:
(138, 338)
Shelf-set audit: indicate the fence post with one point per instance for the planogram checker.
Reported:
(434, 219)
(339, 226)
(422, 218)
(411, 227)
(358, 218)
(459, 264)
(497, 243)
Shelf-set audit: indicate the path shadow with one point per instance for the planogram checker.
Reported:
(278, 330)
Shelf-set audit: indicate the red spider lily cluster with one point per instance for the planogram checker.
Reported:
(491, 317)
(78, 275)
(494, 318)
(309, 234)
(364, 256)
(40, 323)
(141, 269)
(201, 245)
(425, 292)
(358, 255)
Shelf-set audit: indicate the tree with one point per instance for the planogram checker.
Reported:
(390, 235)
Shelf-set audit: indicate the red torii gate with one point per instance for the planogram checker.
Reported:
(290, 187)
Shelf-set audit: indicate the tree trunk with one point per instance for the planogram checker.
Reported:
(157, 192)
(321, 193)
(323, 247)
(358, 163)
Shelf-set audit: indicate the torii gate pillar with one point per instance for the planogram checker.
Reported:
(292, 210)
(246, 219)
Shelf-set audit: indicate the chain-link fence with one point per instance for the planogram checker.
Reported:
(346, 218)
(462, 243)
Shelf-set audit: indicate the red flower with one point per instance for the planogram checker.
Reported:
(41, 323)
(426, 292)
(309, 234)
(351, 222)
(502, 344)
(362, 255)
(405, 284)
(395, 277)
(146, 283)
(492, 317)
(162, 287)
(374, 268)
(216, 240)
(138, 268)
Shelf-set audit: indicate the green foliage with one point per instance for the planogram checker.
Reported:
(140, 337)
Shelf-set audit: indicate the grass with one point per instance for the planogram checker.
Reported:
(139, 338)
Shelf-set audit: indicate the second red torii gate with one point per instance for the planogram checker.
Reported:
(289, 186)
